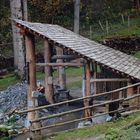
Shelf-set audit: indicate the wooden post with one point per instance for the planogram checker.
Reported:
(130, 92)
(138, 92)
(86, 101)
(95, 76)
(48, 73)
(30, 56)
(61, 70)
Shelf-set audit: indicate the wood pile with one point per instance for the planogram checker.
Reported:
(127, 45)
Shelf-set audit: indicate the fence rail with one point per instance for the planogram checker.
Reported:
(118, 100)
(82, 119)
(78, 99)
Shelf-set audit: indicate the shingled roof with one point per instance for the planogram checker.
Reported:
(92, 50)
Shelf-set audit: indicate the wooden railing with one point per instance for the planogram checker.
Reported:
(119, 100)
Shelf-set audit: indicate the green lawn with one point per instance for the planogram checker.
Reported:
(137, 55)
(70, 72)
(116, 28)
(122, 129)
(8, 80)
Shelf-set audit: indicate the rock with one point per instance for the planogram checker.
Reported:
(101, 119)
(23, 130)
(5, 126)
(14, 97)
(1, 116)
(81, 125)
(87, 123)
(12, 132)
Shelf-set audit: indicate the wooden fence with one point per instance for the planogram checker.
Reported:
(119, 100)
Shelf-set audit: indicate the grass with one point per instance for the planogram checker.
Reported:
(75, 85)
(137, 54)
(70, 72)
(116, 28)
(122, 129)
(131, 31)
(8, 80)
(11, 79)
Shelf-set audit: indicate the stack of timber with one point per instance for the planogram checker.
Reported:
(127, 45)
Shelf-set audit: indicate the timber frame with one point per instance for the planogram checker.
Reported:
(118, 69)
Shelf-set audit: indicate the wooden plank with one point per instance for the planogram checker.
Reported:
(60, 64)
(48, 73)
(110, 80)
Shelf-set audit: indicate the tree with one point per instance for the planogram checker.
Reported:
(76, 15)
(5, 30)
(18, 12)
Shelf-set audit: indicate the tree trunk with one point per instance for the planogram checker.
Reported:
(24, 10)
(76, 15)
(17, 11)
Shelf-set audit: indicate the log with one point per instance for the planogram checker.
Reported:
(30, 48)
(86, 101)
(60, 64)
(48, 73)
(95, 76)
(109, 80)
(130, 93)
(75, 110)
(65, 57)
(81, 119)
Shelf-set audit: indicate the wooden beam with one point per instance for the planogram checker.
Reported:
(129, 90)
(130, 93)
(64, 56)
(60, 64)
(48, 73)
(138, 92)
(61, 69)
(86, 101)
(110, 80)
(95, 76)
(30, 58)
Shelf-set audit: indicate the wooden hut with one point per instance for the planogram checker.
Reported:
(117, 69)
